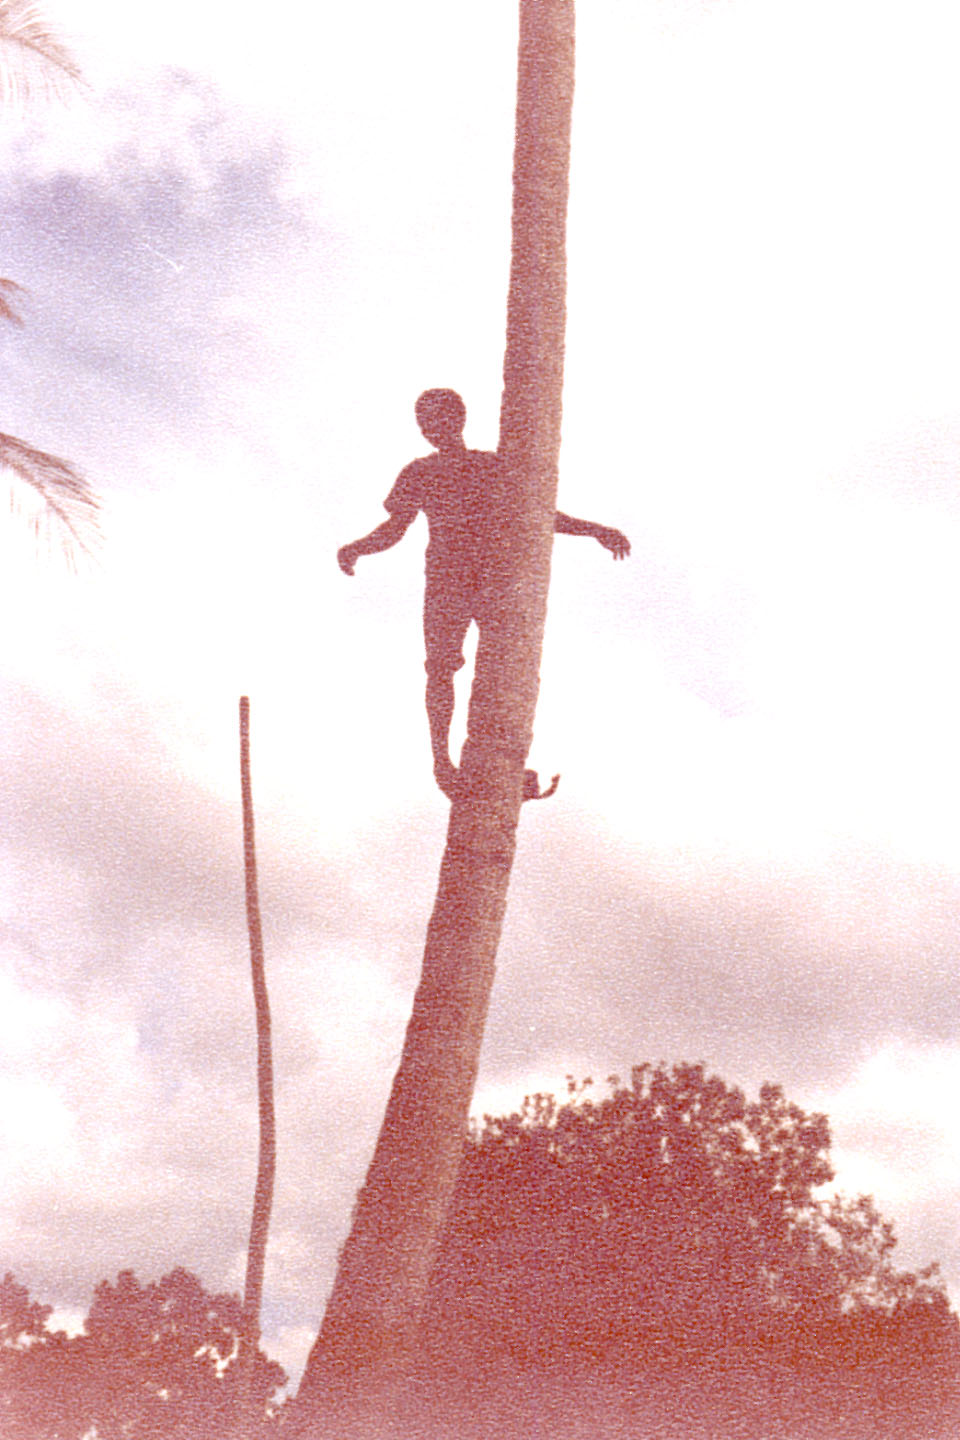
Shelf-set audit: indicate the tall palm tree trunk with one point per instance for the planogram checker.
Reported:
(372, 1315)
(267, 1151)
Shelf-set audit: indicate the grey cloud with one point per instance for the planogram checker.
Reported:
(131, 912)
(134, 268)
(781, 975)
(153, 846)
(770, 972)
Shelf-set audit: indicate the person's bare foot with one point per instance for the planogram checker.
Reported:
(447, 777)
(531, 786)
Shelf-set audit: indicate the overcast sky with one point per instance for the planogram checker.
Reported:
(246, 251)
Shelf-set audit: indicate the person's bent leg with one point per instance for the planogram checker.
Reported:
(440, 703)
(446, 619)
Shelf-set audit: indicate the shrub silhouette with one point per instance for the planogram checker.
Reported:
(155, 1362)
(675, 1228)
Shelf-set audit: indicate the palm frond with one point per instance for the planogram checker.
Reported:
(67, 498)
(32, 59)
(9, 288)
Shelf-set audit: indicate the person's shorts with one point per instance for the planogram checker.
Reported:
(448, 608)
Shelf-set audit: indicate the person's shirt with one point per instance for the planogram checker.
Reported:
(460, 496)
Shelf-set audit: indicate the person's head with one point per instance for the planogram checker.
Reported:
(441, 415)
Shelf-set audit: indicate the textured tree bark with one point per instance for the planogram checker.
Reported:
(371, 1319)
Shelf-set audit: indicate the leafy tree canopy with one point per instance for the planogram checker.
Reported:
(667, 1261)
(155, 1362)
(665, 1214)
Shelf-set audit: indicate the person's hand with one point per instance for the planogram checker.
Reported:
(347, 558)
(615, 541)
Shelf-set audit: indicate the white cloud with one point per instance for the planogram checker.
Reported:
(894, 1129)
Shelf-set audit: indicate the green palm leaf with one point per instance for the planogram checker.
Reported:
(32, 59)
(68, 501)
(9, 288)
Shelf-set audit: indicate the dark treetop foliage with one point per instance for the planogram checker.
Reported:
(673, 1227)
(156, 1362)
(661, 1262)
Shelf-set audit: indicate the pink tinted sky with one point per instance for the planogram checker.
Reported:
(247, 250)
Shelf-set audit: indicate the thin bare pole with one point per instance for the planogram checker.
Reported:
(267, 1157)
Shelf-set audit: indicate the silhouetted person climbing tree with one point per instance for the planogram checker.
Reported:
(370, 1326)
(461, 493)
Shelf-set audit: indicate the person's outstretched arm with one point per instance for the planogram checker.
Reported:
(382, 538)
(613, 540)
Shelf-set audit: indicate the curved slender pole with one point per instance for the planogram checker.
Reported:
(267, 1155)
